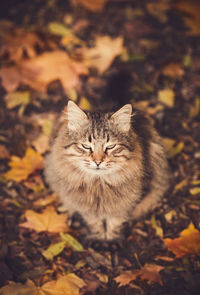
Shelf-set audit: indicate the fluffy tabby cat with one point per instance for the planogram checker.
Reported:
(109, 167)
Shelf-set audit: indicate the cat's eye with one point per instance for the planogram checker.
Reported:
(110, 147)
(87, 147)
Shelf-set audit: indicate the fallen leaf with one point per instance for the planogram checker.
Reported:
(150, 272)
(85, 104)
(159, 9)
(195, 191)
(168, 143)
(44, 201)
(94, 5)
(17, 98)
(158, 229)
(169, 215)
(187, 244)
(34, 183)
(4, 153)
(54, 250)
(194, 108)
(102, 277)
(72, 242)
(102, 55)
(69, 284)
(59, 29)
(173, 70)
(29, 288)
(127, 276)
(177, 149)
(38, 72)
(21, 168)
(20, 44)
(48, 220)
(166, 96)
(191, 10)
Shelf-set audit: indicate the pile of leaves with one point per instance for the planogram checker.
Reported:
(145, 52)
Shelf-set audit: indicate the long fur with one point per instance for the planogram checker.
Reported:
(109, 167)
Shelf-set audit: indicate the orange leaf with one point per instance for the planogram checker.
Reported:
(102, 55)
(48, 220)
(127, 276)
(94, 5)
(39, 71)
(21, 168)
(187, 243)
(19, 44)
(150, 272)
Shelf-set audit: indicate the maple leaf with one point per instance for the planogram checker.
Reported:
(49, 220)
(126, 277)
(29, 288)
(149, 272)
(65, 285)
(102, 55)
(69, 284)
(187, 243)
(94, 5)
(39, 71)
(21, 168)
(20, 42)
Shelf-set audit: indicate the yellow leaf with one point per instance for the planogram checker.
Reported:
(72, 242)
(194, 108)
(69, 284)
(158, 229)
(175, 150)
(17, 98)
(94, 5)
(48, 220)
(21, 168)
(187, 244)
(59, 29)
(166, 96)
(195, 190)
(85, 104)
(54, 250)
(102, 55)
(127, 276)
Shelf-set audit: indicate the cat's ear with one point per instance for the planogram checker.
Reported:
(122, 118)
(76, 118)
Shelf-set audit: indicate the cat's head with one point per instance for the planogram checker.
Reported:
(98, 143)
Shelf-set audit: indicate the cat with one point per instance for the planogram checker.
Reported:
(110, 167)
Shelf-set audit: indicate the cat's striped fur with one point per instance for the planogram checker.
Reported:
(109, 167)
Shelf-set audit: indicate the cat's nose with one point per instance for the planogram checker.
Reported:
(98, 162)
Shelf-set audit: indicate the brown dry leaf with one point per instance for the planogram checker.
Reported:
(21, 168)
(102, 55)
(159, 9)
(19, 44)
(41, 143)
(127, 276)
(191, 10)
(44, 201)
(173, 70)
(187, 243)
(4, 153)
(48, 220)
(39, 71)
(94, 5)
(69, 284)
(150, 272)
(29, 288)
